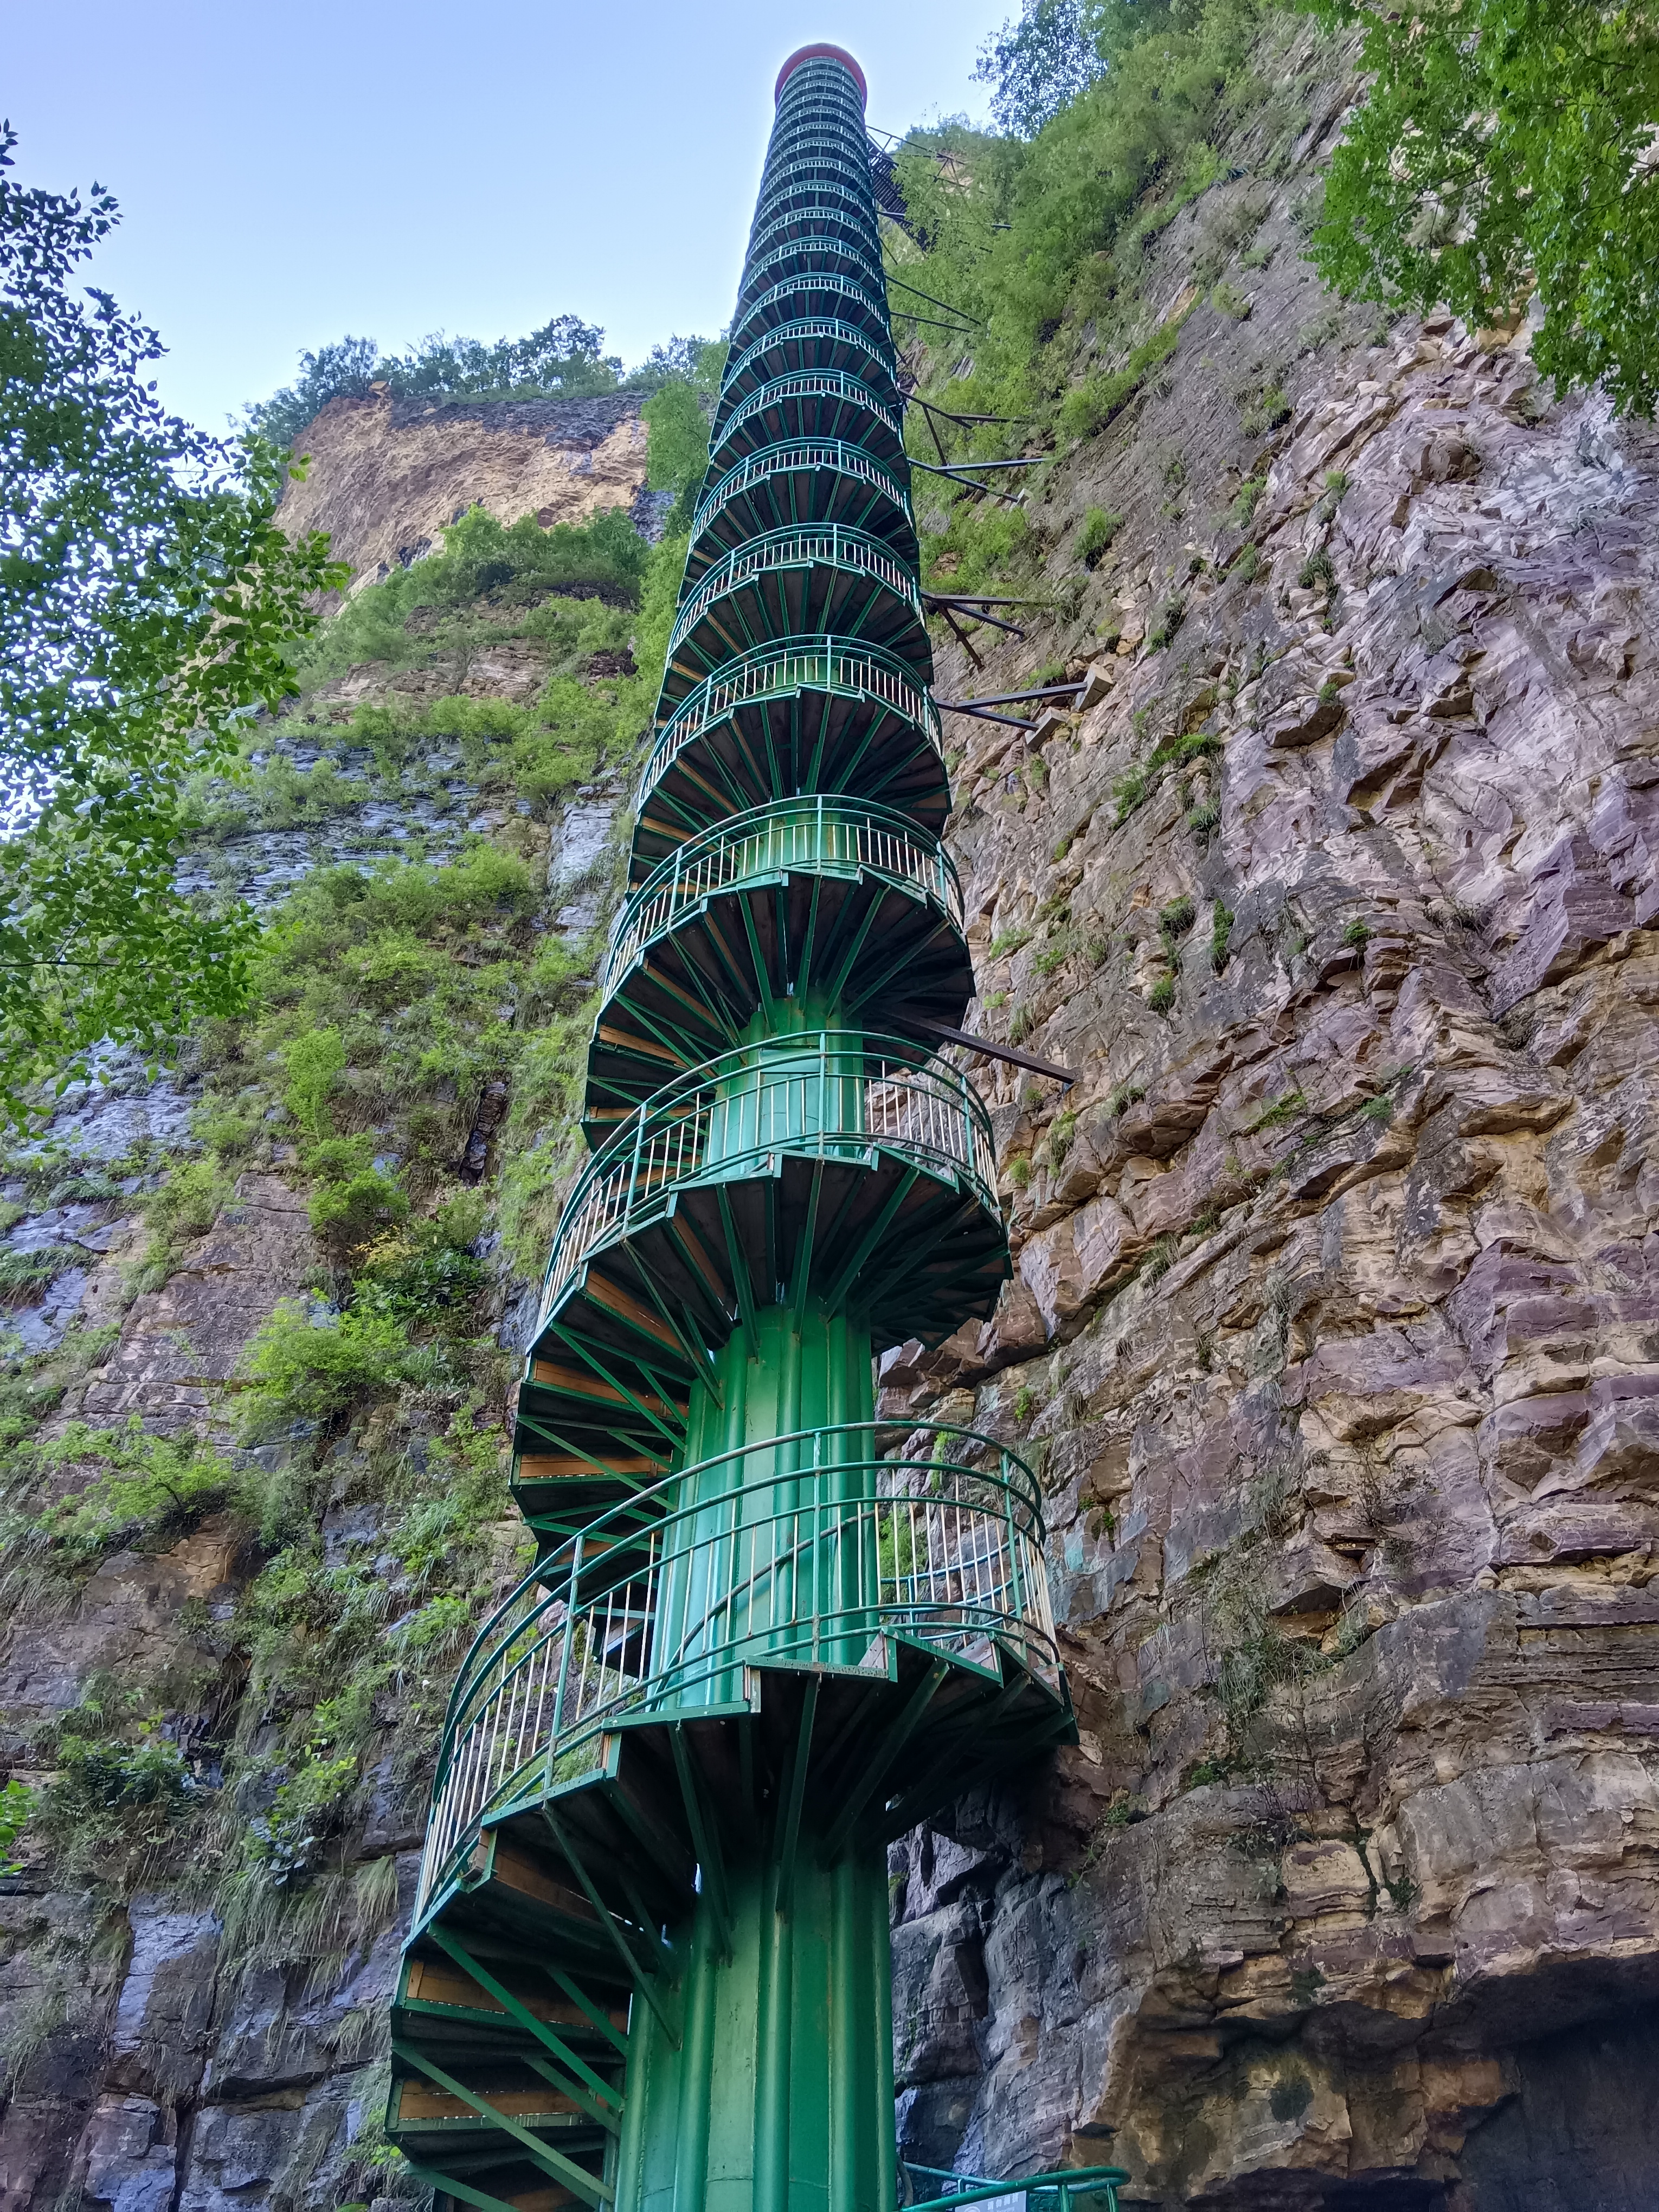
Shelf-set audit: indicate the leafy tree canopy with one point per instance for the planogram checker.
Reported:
(678, 414)
(148, 603)
(1504, 144)
(1031, 240)
(563, 359)
(696, 362)
(1036, 65)
(1058, 48)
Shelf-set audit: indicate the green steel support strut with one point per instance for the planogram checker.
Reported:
(591, 2191)
(527, 2020)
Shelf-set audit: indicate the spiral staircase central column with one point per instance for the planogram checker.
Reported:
(649, 1963)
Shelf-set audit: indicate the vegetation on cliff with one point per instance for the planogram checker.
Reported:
(1041, 246)
(562, 360)
(408, 1048)
(408, 1059)
(1501, 151)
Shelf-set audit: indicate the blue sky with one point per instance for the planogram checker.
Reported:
(288, 174)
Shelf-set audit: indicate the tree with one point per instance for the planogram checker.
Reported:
(683, 378)
(148, 602)
(345, 369)
(1041, 63)
(1506, 146)
(560, 360)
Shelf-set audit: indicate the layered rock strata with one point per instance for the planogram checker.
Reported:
(1335, 1313)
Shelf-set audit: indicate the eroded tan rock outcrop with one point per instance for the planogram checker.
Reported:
(388, 476)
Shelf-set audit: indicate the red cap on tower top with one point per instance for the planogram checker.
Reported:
(812, 53)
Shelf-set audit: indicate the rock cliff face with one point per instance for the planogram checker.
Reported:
(1335, 1330)
(388, 475)
(1335, 1313)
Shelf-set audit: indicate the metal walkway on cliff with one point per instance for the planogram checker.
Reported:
(649, 1963)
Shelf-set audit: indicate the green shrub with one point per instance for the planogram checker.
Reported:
(979, 545)
(1090, 407)
(1175, 919)
(123, 1787)
(678, 421)
(1162, 995)
(1128, 790)
(1317, 572)
(1166, 621)
(189, 1202)
(185, 1206)
(1283, 1109)
(112, 1776)
(288, 1841)
(1266, 412)
(1247, 499)
(1160, 1258)
(313, 1064)
(17, 1803)
(428, 1268)
(318, 1372)
(1248, 565)
(1100, 526)
(1357, 932)
(229, 1133)
(30, 1271)
(518, 561)
(148, 1491)
(348, 1216)
(1221, 931)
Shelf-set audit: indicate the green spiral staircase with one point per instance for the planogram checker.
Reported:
(649, 1963)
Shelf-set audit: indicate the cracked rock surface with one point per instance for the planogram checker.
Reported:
(1332, 1325)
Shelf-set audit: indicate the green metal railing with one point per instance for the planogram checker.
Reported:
(810, 117)
(822, 284)
(805, 332)
(803, 1551)
(823, 835)
(850, 669)
(845, 210)
(814, 384)
(760, 278)
(807, 545)
(1058, 2191)
(827, 1094)
(800, 456)
(809, 167)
